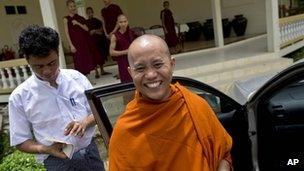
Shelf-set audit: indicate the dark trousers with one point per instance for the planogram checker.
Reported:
(86, 159)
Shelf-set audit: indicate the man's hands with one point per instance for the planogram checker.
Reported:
(31, 146)
(78, 128)
(75, 128)
(55, 150)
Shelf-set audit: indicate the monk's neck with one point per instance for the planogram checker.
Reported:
(122, 31)
(71, 15)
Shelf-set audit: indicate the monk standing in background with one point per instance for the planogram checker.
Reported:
(166, 126)
(99, 39)
(120, 42)
(84, 51)
(169, 27)
(7, 53)
(109, 15)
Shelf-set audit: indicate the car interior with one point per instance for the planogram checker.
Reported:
(280, 119)
(109, 102)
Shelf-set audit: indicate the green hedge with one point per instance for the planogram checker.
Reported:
(5, 148)
(14, 160)
(19, 161)
(296, 55)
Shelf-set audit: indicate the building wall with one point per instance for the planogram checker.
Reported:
(196, 10)
(11, 25)
(143, 13)
(253, 10)
(147, 13)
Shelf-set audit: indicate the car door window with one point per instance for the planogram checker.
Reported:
(115, 104)
(213, 100)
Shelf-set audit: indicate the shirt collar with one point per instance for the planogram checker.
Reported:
(58, 79)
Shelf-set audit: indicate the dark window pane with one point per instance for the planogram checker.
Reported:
(10, 10)
(21, 9)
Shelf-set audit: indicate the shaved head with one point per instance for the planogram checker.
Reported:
(151, 67)
(121, 16)
(145, 43)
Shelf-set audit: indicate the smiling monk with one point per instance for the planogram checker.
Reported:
(166, 126)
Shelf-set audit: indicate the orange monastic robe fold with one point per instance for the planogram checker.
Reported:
(180, 133)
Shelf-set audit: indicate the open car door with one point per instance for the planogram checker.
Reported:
(276, 114)
(108, 102)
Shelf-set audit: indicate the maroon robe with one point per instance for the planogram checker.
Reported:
(168, 20)
(8, 55)
(110, 14)
(99, 40)
(84, 58)
(123, 41)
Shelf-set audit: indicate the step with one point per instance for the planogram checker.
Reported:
(239, 64)
(224, 65)
(224, 85)
(240, 71)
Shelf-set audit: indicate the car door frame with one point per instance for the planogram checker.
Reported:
(276, 83)
(94, 94)
(105, 126)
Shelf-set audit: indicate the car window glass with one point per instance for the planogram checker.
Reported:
(213, 100)
(115, 104)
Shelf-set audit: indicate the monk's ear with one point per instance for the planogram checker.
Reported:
(129, 71)
(172, 61)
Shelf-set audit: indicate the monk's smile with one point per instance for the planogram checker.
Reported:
(154, 84)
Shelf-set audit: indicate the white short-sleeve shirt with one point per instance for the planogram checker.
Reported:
(38, 110)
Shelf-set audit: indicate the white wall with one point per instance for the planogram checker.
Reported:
(146, 13)
(61, 11)
(12, 25)
(253, 10)
(143, 13)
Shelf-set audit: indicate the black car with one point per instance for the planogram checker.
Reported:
(266, 130)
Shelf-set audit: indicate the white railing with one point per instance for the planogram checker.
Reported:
(291, 30)
(12, 74)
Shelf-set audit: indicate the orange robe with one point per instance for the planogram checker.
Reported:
(181, 133)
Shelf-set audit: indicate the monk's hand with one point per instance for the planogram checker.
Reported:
(74, 22)
(55, 150)
(92, 32)
(110, 35)
(165, 31)
(224, 166)
(75, 128)
(73, 49)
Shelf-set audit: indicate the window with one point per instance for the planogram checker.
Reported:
(10, 10)
(21, 9)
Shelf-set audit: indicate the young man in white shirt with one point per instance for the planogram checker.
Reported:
(52, 104)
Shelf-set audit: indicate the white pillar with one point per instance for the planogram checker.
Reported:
(217, 23)
(273, 29)
(50, 20)
(80, 8)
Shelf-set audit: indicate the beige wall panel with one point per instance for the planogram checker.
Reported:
(253, 10)
(143, 13)
(12, 25)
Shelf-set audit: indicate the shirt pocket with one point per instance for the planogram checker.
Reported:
(80, 109)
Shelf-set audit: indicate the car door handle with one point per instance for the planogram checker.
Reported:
(278, 111)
